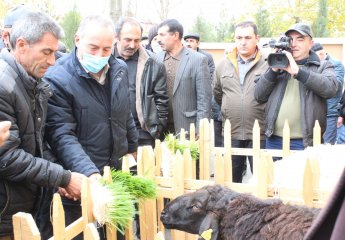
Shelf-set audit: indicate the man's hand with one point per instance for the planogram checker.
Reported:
(4, 131)
(292, 68)
(72, 191)
(340, 122)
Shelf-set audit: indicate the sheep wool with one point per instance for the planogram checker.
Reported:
(236, 216)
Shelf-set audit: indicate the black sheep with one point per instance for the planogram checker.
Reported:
(236, 216)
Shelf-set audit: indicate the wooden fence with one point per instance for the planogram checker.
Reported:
(183, 180)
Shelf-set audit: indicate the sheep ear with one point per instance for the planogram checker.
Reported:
(209, 222)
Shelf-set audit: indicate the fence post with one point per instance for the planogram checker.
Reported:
(308, 187)
(182, 134)
(178, 179)
(316, 134)
(58, 218)
(219, 171)
(192, 132)
(262, 174)
(188, 163)
(148, 208)
(110, 229)
(158, 157)
(90, 232)
(86, 203)
(227, 136)
(227, 167)
(24, 227)
(256, 148)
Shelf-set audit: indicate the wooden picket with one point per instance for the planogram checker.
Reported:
(184, 180)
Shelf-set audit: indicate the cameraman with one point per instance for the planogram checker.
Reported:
(296, 93)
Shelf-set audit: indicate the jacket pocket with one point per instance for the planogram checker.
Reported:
(150, 114)
(190, 114)
(83, 121)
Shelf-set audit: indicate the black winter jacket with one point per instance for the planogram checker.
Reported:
(23, 101)
(317, 83)
(151, 78)
(85, 130)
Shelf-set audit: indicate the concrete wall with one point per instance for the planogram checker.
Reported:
(334, 46)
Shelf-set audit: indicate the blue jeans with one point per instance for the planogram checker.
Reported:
(276, 142)
(330, 135)
(341, 135)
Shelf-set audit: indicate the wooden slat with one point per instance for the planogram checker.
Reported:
(58, 218)
(24, 227)
(90, 232)
(317, 134)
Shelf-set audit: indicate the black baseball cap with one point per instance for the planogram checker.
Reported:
(192, 35)
(301, 28)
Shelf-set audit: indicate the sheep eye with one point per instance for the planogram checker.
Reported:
(195, 207)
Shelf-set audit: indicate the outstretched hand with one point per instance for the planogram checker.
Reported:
(73, 189)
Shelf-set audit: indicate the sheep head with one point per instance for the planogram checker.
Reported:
(198, 211)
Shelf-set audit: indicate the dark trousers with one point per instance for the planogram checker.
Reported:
(218, 136)
(239, 163)
(43, 217)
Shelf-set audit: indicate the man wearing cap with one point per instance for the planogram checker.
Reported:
(296, 93)
(11, 17)
(330, 135)
(234, 91)
(193, 41)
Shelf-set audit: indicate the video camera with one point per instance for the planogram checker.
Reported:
(279, 59)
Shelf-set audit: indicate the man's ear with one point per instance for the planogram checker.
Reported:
(211, 221)
(21, 45)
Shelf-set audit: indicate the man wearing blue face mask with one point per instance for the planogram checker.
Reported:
(89, 122)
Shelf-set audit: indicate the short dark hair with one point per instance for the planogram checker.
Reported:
(122, 21)
(173, 25)
(248, 24)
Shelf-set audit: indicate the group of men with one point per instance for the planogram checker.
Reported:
(72, 117)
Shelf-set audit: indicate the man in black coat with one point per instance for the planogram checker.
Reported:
(147, 82)
(89, 122)
(25, 164)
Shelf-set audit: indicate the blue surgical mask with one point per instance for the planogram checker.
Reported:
(93, 63)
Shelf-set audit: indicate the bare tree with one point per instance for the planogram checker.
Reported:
(164, 7)
(115, 7)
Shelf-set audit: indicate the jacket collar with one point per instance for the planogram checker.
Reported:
(233, 55)
(28, 81)
(313, 59)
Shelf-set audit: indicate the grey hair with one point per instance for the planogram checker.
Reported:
(102, 20)
(33, 27)
(129, 20)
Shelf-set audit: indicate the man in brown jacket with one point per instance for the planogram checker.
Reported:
(234, 91)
